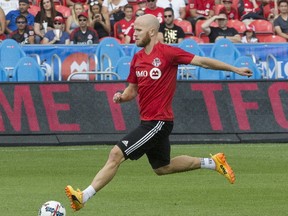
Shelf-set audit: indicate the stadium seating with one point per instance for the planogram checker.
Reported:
(66, 12)
(108, 52)
(208, 74)
(224, 50)
(246, 61)
(123, 67)
(189, 71)
(10, 53)
(238, 25)
(27, 69)
(197, 39)
(262, 29)
(185, 25)
(34, 9)
(273, 39)
(135, 49)
(3, 76)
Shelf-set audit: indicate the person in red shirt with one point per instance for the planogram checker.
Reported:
(231, 12)
(200, 9)
(125, 23)
(153, 78)
(154, 10)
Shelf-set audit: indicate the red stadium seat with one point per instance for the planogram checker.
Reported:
(238, 25)
(197, 39)
(33, 9)
(66, 12)
(185, 25)
(262, 28)
(274, 39)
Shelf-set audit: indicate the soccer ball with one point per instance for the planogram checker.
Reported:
(52, 208)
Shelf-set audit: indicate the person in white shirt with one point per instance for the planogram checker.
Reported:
(249, 35)
(178, 7)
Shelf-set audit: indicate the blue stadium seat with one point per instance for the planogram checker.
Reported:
(191, 46)
(10, 54)
(209, 74)
(3, 75)
(225, 51)
(27, 69)
(246, 61)
(188, 72)
(123, 67)
(135, 49)
(108, 52)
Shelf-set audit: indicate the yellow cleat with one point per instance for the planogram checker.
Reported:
(75, 197)
(223, 167)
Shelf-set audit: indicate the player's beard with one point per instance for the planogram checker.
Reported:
(146, 40)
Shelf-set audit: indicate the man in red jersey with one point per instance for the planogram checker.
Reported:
(153, 9)
(153, 78)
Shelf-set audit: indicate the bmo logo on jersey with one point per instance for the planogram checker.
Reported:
(155, 73)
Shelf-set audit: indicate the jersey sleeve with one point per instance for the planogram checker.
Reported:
(180, 56)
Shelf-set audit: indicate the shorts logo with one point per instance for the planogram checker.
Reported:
(155, 73)
(125, 142)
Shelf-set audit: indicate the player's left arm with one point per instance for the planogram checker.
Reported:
(129, 94)
(219, 65)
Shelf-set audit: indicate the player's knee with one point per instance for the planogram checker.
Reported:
(161, 171)
(116, 156)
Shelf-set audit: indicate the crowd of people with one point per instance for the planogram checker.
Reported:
(91, 20)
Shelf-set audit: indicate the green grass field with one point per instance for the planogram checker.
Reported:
(30, 176)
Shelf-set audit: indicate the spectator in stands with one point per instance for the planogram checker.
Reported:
(24, 34)
(139, 12)
(97, 20)
(141, 4)
(249, 35)
(9, 5)
(124, 24)
(153, 9)
(270, 9)
(57, 35)
(44, 20)
(178, 6)
(231, 12)
(280, 23)
(200, 10)
(168, 31)
(129, 33)
(84, 34)
(71, 3)
(72, 21)
(222, 31)
(2, 25)
(11, 24)
(249, 10)
(114, 10)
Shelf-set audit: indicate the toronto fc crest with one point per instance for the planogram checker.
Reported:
(156, 62)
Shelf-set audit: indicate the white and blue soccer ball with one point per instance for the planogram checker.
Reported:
(52, 208)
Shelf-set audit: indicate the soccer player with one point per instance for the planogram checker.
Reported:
(153, 78)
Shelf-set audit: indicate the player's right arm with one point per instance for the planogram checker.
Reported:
(129, 94)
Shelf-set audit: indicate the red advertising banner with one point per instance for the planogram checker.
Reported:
(87, 108)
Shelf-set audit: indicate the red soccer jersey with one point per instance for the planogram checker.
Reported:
(158, 12)
(202, 6)
(155, 74)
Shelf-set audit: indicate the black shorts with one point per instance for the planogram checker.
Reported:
(150, 138)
